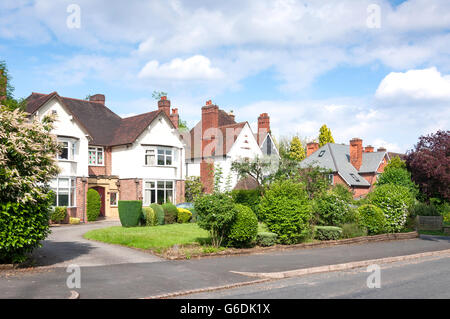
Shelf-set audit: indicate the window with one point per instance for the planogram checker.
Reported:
(164, 157)
(321, 153)
(150, 157)
(113, 199)
(158, 192)
(95, 155)
(354, 177)
(64, 153)
(330, 178)
(64, 189)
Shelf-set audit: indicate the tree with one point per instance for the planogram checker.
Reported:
(429, 164)
(398, 176)
(27, 164)
(296, 150)
(396, 162)
(193, 188)
(258, 168)
(315, 180)
(6, 90)
(158, 94)
(325, 136)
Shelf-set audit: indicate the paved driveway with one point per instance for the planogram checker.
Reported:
(66, 246)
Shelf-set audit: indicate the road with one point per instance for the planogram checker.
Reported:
(422, 278)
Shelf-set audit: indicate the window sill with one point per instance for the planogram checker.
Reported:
(168, 166)
(66, 160)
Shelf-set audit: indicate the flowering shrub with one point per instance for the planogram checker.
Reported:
(184, 215)
(394, 201)
(331, 210)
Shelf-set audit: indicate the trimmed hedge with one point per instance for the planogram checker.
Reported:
(159, 212)
(266, 239)
(58, 214)
(244, 228)
(327, 232)
(184, 215)
(170, 213)
(372, 218)
(130, 212)
(93, 205)
(149, 216)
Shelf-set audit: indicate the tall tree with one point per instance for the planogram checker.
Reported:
(6, 90)
(429, 164)
(325, 136)
(296, 150)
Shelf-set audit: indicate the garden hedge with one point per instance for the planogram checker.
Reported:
(58, 214)
(327, 232)
(351, 230)
(93, 204)
(244, 228)
(248, 197)
(130, 212)
(159, 212)
(170, 213)
(266, 239)
(184, 215)
(149, 216)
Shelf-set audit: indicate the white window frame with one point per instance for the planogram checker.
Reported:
(156, 150)
(71, 149)
(97, 150)
(148, 201)
(72, 185)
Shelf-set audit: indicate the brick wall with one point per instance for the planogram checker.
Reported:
(130, 189)
(180, 190)
(207, 176)
(81, 190)
(102, 170)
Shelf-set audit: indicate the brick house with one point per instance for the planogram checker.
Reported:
(352, 165)
(134, 158)
(217, 140)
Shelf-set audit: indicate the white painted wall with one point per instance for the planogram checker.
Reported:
(67, 126)
(129, 161)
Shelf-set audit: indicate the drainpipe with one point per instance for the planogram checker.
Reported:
(84, 180)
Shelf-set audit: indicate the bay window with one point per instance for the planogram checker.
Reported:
(64, 190)
(159, 192)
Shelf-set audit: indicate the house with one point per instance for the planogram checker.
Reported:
(217, 140)
(135, 158)
(351, 165)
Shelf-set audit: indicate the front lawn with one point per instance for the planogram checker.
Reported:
(154, 238)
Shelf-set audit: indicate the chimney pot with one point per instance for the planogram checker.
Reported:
(209, 102)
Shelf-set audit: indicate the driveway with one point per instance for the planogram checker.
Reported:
(66, 246)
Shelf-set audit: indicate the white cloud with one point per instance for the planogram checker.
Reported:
(197, 67)
(425, 84)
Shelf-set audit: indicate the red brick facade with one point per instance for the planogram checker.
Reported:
(102, 170)
(130, 189)
(311, 148)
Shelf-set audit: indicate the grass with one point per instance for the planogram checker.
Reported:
(433, 232)
(157, 238)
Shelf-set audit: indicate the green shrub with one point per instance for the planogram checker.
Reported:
(216, 213)
(194, 215)
(159, 212)
(149, 216)
(22, 227)
(286, 211)
(372, 218)
(248, 197)
(244, 228)
(130, 212)
(398, 176)
(93, 204)
(394, 201)
(184, 215)
(343, 193)
(330, 209)
(327, 232)
(351, 230)
(423, 209)
(58, 214)
(193, 188)
(170, 213)
(266, 239)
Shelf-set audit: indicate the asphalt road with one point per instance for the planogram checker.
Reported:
(423, 278)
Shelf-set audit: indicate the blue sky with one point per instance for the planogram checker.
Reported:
(306, 63)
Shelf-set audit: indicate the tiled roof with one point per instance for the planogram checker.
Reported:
(104, 126)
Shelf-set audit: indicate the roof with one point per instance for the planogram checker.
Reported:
(246, 183)
(104, 126)
(336, 157)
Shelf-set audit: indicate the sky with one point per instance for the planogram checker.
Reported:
(377, 70)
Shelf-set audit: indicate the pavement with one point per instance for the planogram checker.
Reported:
(109, 271)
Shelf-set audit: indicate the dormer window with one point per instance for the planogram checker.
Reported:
(321, 153)
(96, 156)
(354, 177)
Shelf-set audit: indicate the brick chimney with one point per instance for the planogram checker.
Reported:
(356, 152)
(311, 147)
(231, 114)
(381, 149)
(368, 149)
(210, 120)
(164, 105)
(263, 126)
(174, 117)
(97, 98)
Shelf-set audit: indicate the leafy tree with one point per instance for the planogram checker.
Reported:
(296, 150)
(193, 188)
(27, 164)
(260, 168)
(6, 90)
(325, 136)
(398, 176)
(429, 164)
(158, 94)
(182, 125)
(396, 162)
(315, 180)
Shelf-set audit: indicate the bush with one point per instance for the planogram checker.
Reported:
(343, 193)
(398, 176)
(327, 232)
(286, 211)
(170, 213)
(394, 201)
(331, 210)
(244, 228)
(93, 205)
(266, 239)
(371, 218)
(423, 209)
(184, 215)
(248, 197)
(74, 221)
(351, 230)
(58, 214)
(130, 212)
(216, 213)
(22, 227)
(149, 216)
(193, 188)
(159, 212)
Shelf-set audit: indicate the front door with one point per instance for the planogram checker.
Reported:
(101, 191)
